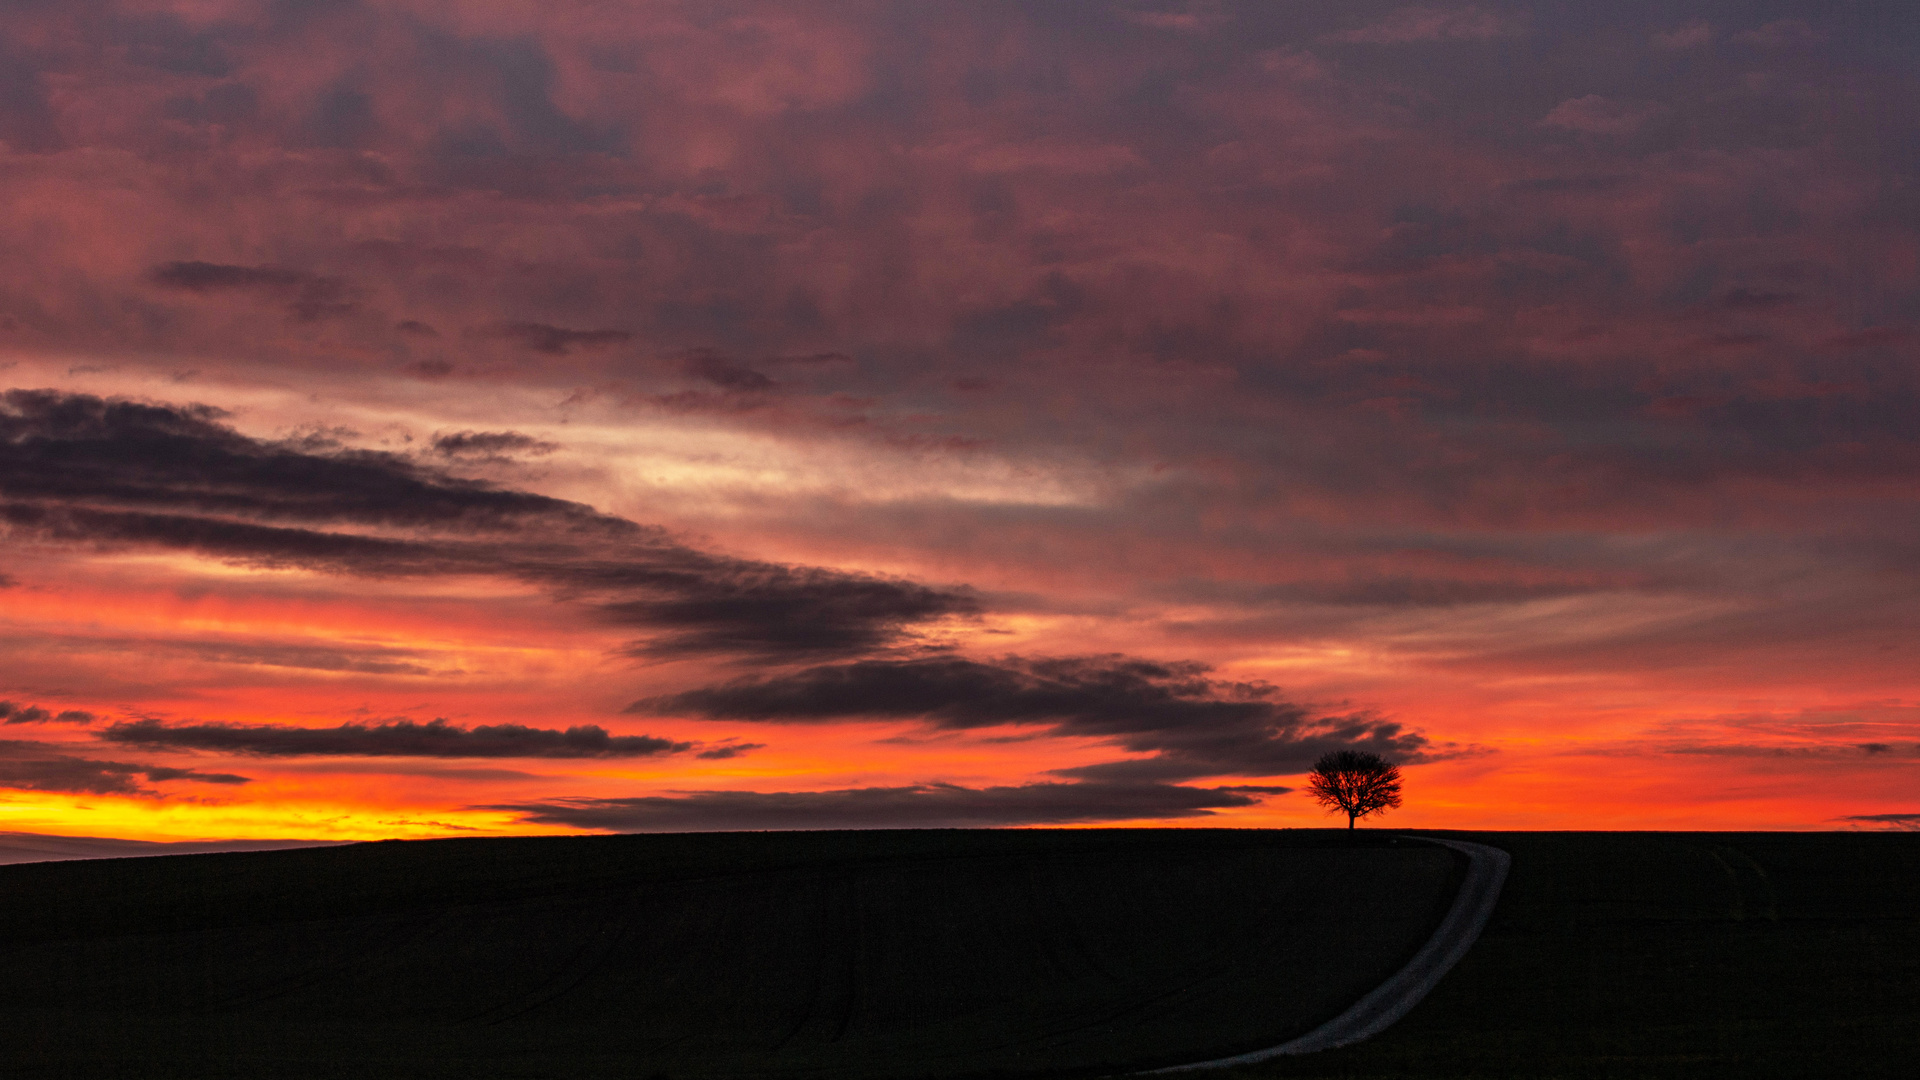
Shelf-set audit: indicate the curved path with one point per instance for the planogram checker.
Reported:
(1393, 999)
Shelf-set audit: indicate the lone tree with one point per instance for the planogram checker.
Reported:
(1354, 781)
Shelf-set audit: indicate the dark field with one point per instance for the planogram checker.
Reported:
(961, 953)
(811, 954)
(1737, 955)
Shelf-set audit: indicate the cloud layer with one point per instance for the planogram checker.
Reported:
(1192, 726)
(11, 713)
(396, 738)
(76, 469)
(902, 391)
(35, 766)
(919, 806)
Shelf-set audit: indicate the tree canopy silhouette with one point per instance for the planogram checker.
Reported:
(1356, 782)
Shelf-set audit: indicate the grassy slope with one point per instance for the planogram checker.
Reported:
(842, 954)
(1692, 956)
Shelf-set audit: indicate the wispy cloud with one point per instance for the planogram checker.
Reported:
(11, 713)
(81, 470)
(1193, 726)
(1409, 25)
(1896, 822)
(306, 295)
(394, 738)
(35, 766)
(918, 806)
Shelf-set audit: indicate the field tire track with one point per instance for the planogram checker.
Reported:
(586, 959)
(822, 954)
(1138, 1000)
(408, 930)
(1472, 906)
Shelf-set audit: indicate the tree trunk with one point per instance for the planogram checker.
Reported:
(1350, 817)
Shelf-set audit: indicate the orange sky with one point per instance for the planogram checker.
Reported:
(545, 418)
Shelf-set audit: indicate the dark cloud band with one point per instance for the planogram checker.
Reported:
(307, 296)
(399, 738)
(1901, 822)
(32, 766)
(1192, 725)
(489, 444)
(77, 469)
(920, 806)
(11, 713)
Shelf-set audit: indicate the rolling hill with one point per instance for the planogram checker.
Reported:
(917, 953)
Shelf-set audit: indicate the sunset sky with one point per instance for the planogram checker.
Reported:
(436, 418)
